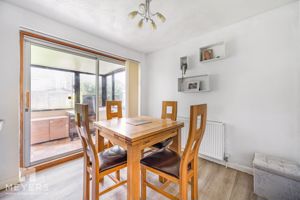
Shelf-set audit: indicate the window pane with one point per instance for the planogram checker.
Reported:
(107, 70)
(100, 91)
(51, 92)
(120, 85)
(109, 87)
(88, 92)
(59, 79)
(87, 84)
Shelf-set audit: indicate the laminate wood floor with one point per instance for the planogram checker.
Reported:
(64, 182)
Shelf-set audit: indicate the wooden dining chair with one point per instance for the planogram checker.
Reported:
(176, 168)
(113, 109)
(167, 115)
(97, 165)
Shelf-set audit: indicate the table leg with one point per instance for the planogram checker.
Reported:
(99, 141)
(133, 172)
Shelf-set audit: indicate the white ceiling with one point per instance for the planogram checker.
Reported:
(185, 18)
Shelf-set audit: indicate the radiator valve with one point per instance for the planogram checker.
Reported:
(226, 157)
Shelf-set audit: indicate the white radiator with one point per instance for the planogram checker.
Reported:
(213, 143)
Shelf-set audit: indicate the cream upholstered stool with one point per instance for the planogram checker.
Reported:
(276, 178)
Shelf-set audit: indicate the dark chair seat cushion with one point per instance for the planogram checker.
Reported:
(163, 144)
(164, 160)
(112, 157)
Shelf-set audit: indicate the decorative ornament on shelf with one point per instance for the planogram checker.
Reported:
(183, 65)
(1, 124)
(146, 14)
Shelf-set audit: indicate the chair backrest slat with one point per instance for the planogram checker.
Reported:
(165, 114)
(82, 126)
(195, 135)
(110, 112)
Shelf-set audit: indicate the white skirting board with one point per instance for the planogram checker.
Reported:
(8, 182)
(213, 147)
(236, 166)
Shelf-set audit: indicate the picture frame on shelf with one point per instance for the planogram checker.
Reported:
(207, 54)
(212, 52)
(193, 86)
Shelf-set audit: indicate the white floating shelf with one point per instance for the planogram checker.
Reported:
(194, 84)
(217, 51)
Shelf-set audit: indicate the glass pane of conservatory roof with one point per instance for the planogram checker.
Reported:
(48, 57)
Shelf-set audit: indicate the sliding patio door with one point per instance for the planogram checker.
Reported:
(56, 78)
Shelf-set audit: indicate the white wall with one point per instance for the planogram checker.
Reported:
(256, 90)
(11, 18)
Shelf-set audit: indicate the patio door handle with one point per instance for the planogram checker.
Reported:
(27, 101)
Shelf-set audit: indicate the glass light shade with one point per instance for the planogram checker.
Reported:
(133, 14)
(141, 23)
(161, 17)
(153, 25)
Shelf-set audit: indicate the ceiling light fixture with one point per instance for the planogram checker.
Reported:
(146, 14)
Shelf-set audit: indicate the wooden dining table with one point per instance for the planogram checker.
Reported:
(135, 137)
